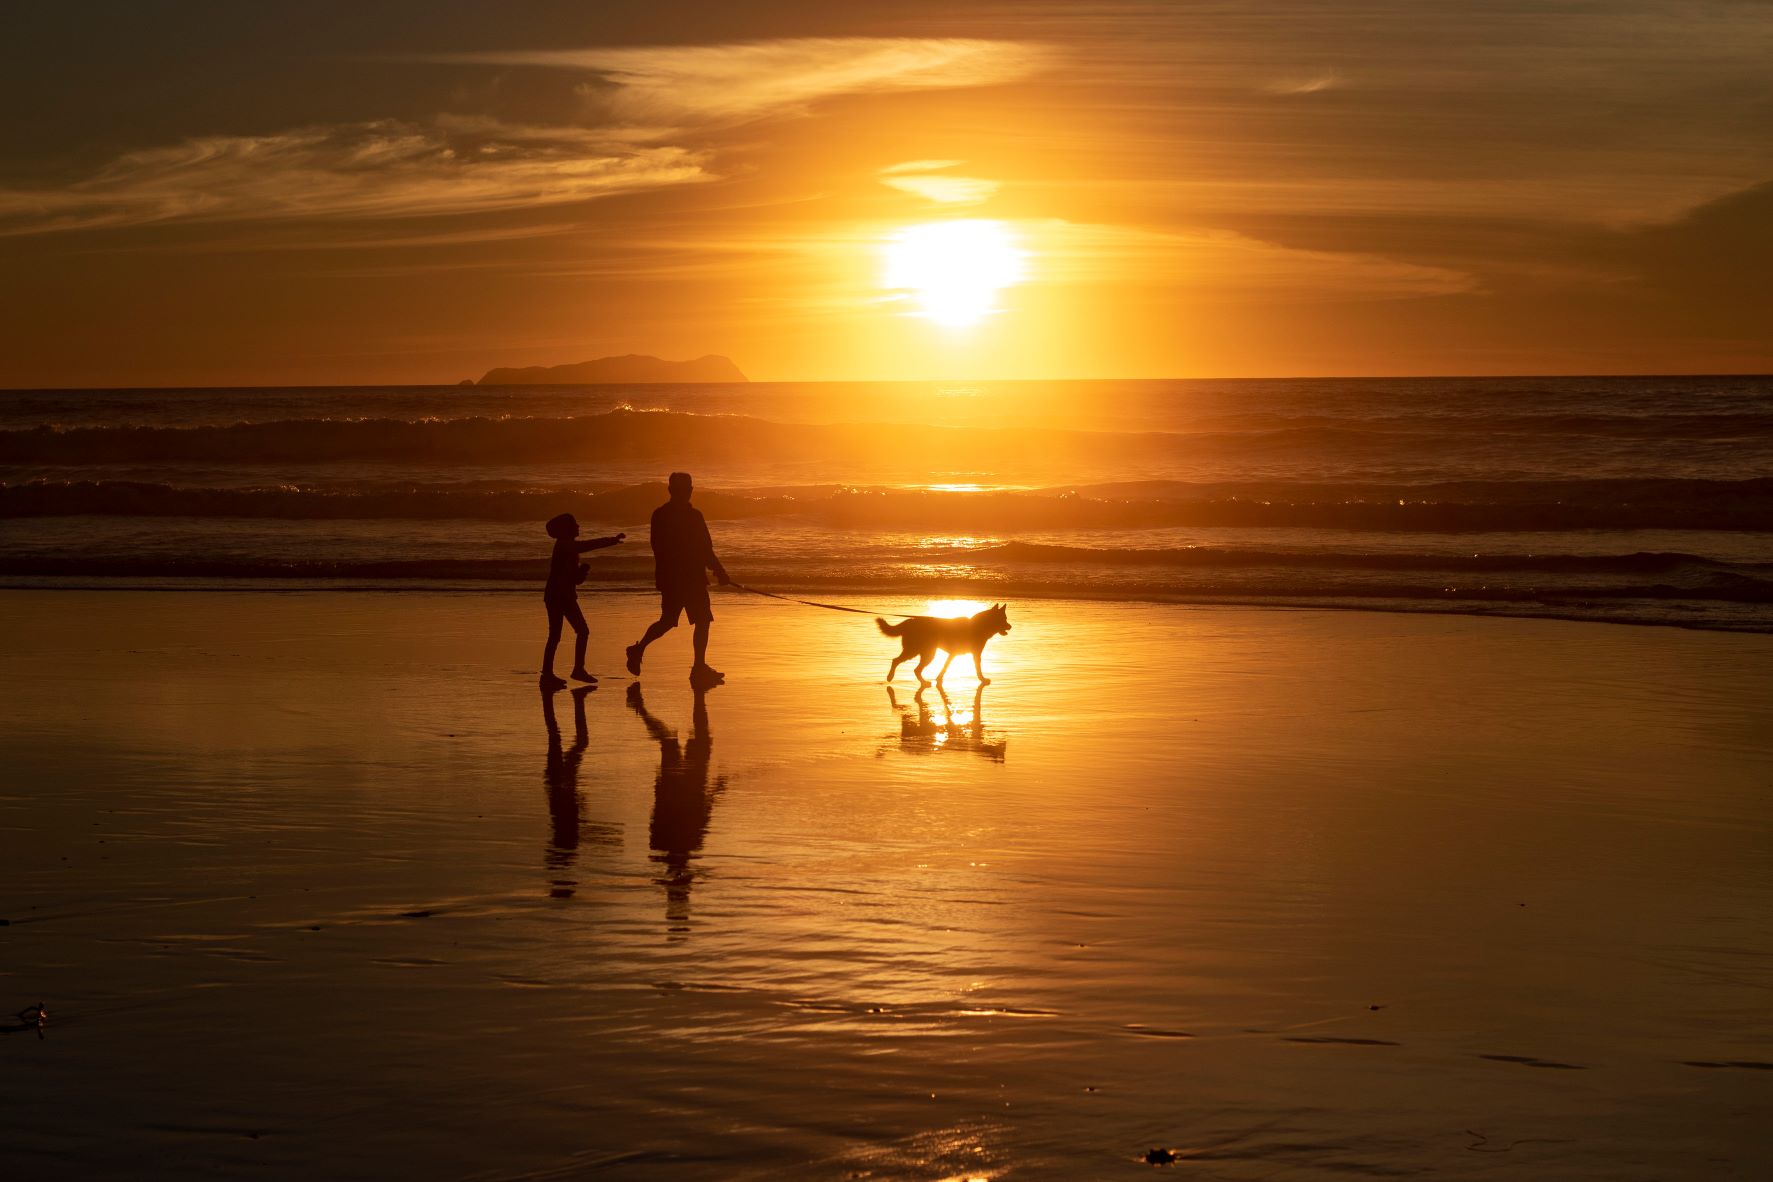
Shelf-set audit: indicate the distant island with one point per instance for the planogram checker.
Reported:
(629, 368)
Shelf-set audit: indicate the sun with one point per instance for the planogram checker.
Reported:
(954, 270)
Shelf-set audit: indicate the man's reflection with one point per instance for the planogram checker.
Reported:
(958, 730)
(566, 805)
(683, 801)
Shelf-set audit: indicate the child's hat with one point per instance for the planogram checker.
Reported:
(559, 523)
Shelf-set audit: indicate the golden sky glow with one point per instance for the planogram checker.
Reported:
(954, 270)
(1443, 186)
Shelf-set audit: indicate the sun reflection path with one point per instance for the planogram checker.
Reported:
(949, 608)
(932, 721)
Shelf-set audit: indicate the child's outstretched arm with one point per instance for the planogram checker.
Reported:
(598, 543)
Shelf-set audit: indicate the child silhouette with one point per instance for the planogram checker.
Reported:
(561, 595)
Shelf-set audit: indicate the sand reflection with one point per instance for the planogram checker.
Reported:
(683, 802)
(566, 804)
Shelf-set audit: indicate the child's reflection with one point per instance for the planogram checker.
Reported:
(566, 804)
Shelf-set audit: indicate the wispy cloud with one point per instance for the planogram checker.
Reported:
(364, 170)
(643, 98)
(926, 179)
(1228, 264)
(945, 190)
(349, 236)
(699, 84)
(906, 166)
(1305, 83)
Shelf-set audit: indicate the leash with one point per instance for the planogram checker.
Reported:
(834, 607)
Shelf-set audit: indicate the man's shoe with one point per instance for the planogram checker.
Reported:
(706, 675)
(634, 651)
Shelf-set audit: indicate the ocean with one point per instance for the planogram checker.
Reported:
(1643, 500)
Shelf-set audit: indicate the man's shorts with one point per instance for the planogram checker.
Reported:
(690, 600)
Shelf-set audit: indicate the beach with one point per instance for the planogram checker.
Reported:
(318, 884)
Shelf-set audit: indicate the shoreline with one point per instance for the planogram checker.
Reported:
(1505, 609)
(923, 382)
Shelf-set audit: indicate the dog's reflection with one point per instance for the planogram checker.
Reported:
(922, 733)
(683, 802)
(566, 804)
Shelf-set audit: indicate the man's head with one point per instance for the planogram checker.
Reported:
(680, 486)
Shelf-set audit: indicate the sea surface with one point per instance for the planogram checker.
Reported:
(1644, 500)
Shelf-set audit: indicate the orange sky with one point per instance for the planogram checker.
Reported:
(285, 193)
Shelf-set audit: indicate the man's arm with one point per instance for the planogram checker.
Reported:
(713, 559)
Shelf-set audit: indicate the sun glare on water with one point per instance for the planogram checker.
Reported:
(954, 270)
(950, 608)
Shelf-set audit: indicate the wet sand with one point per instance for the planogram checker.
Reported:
(316, 886)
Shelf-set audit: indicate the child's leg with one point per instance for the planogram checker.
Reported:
(581, 634)
(554, 617)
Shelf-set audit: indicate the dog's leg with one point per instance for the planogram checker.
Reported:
(923, 662)
(978, 668)
(944, 672)
(893, 669)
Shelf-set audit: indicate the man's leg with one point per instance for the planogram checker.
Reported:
(668, 614)
(655, 630)
(701, 614)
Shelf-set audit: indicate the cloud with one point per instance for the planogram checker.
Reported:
(1229, 264)
(351, 236)
(915, 177)
(378, 169)
(460, 164)
(919, 166)
(1305, 83)
(702, 84)
(1616, 112)
(947, 190)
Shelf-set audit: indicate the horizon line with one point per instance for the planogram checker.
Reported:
(1378, 377)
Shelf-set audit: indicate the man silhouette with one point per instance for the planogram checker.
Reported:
(683, 803)
(682, 554)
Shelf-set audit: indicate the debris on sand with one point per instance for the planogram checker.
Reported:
(30, 1018)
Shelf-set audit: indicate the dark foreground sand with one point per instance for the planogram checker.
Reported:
(309, 894)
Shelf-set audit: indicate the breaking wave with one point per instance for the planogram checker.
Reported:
(1447, 507)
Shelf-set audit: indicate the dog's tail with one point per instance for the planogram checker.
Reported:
(890, 629)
